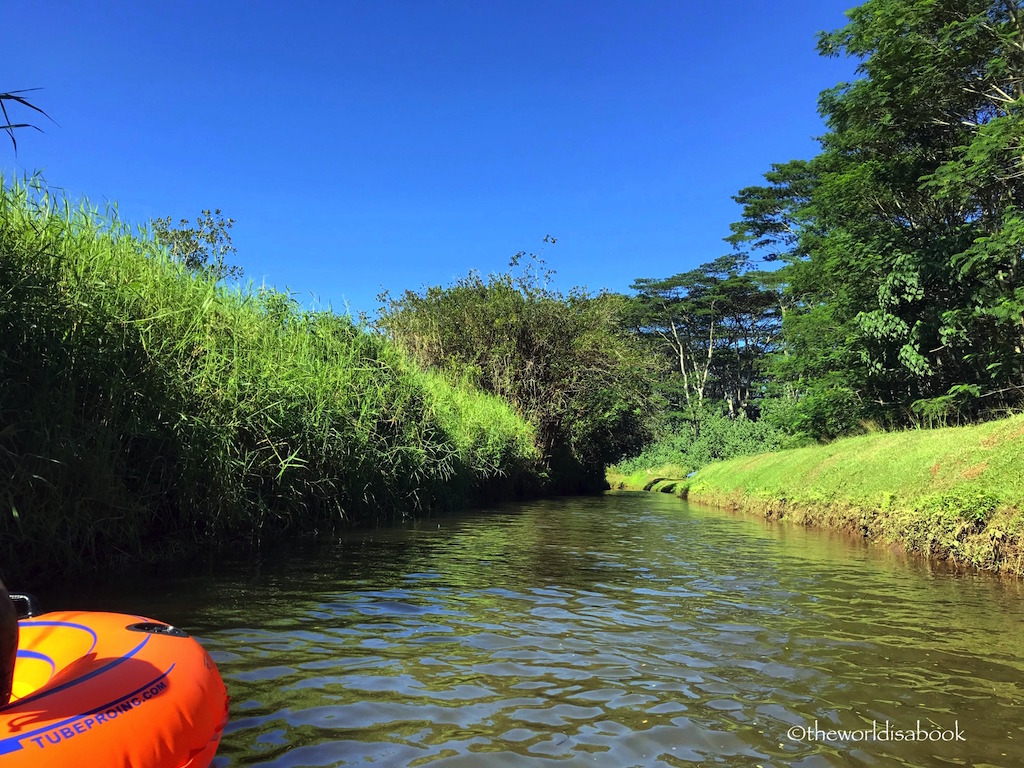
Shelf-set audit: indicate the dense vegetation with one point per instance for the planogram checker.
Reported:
(144, 407)
(563, 362)
(895, 290)
(712, 332)
(902, 239)
(878, 285)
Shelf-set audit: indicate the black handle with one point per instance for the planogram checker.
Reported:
(27, 605)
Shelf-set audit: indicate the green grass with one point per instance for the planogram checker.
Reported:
(955, 493)
(489, 437)
(147, 410)
(711, 436)
(646, 479)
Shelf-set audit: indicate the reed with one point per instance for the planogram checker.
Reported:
(146, 409)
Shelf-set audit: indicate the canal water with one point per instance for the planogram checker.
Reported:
(625, 630)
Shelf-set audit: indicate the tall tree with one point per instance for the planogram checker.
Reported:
(903, 238)
(715, 324)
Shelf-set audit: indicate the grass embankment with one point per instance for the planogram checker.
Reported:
(712, 436)
(146, 410)
(956, 493)
(666, 479)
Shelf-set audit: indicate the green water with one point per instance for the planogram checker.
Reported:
(624, 630)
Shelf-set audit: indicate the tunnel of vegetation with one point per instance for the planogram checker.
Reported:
(145, 404)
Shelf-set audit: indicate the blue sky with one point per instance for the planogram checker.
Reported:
(382, 144)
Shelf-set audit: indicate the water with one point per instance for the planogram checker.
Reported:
(626, 630)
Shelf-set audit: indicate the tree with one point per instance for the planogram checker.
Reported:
(818, 293)
(561, 360)
(202, 248)
(902, 239)
(716, 323)
(944, 330)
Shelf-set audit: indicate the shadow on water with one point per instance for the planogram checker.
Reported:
(629, 629)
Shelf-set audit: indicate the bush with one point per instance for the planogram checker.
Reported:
(709, 436)
(561, 361)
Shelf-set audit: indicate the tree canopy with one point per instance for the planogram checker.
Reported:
(714, 325)
(561, 360)
(902, 240)
(894, 288)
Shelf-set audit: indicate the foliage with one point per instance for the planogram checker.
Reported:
(561, 361)
(902, 240)
(712, 331)
(146, 408)
(494, 446)
(202, 248)
(714, 326)
(712, 436)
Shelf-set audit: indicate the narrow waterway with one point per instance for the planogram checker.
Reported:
(624, 630)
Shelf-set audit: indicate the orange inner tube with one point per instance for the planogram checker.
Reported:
(107, 689)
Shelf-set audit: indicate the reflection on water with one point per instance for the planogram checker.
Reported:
(628, 630)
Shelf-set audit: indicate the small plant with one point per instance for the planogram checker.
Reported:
(709, 436)
(971, 505)
(202, 248)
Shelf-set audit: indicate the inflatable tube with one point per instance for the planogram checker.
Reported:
(111, 690)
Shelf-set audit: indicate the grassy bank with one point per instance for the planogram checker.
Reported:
(667, 478)
(709, 435)
(146, 409)
(956, 494)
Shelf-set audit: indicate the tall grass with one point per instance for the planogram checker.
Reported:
(145, 408)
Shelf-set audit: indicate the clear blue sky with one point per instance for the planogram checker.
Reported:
(361, 145)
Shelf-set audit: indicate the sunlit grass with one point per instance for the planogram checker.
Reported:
(145, 408)
(956, 493)
(645, 479)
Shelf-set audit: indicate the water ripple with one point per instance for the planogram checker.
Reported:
(628, 630)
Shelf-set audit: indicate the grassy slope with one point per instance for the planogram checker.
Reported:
(145, 410)
(666, 478)
(955, 493)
